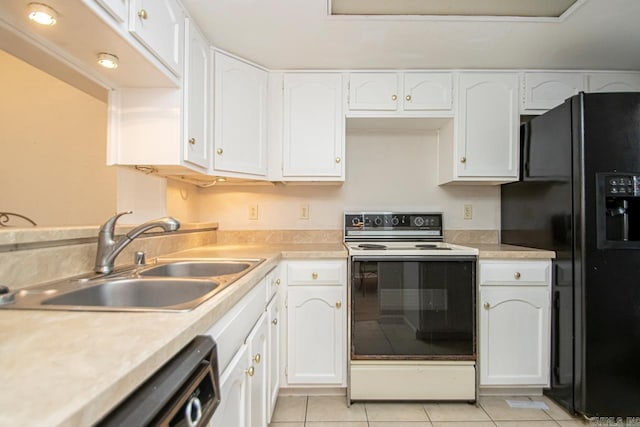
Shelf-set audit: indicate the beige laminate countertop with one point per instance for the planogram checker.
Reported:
(72, 368)
(500, 251)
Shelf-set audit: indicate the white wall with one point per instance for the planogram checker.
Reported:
(53, 149)
(385, 169)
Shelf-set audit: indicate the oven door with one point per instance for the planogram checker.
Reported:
(407, 308)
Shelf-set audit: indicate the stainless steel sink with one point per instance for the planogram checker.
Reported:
(196, 269)
(176, 285)
(143, 293)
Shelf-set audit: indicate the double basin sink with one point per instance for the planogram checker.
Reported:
(165, 286)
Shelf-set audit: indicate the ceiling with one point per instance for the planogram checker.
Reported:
(299, 34)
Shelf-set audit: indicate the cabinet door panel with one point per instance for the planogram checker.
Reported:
(488, 118)
(544, 91)
(160, 28)
(196, 102)
(614, 82)
(313, 125)
(315, 319)
(427, 91)
(374, 91)
(258, 360)
(240, 117)
(274, 324)
(514, 336)
(234, 392)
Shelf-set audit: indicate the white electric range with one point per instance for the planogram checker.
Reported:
(412, 309)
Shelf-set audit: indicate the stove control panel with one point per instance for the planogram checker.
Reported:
(392, 224)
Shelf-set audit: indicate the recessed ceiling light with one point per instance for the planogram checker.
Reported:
(108, 60)
(42, 14)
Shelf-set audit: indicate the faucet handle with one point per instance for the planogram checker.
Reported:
(110, 225)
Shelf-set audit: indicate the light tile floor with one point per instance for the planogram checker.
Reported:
(332, 411)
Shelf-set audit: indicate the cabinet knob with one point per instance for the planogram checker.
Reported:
(250, 371)
(278, 282)
(143, 14)
(408, 97)
(219, 151)
(338, 159)
(314, 275)
(463, 160)
(487, 306)
(257, 358)
(338, 304)
(274, 321)
(192, 141)
(516, 275)
(394, 97)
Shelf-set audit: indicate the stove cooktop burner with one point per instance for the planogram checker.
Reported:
(433, 247)
(371, 246)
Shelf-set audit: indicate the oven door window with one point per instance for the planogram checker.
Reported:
(418, 309)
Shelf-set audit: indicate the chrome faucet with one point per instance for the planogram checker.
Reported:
(108, 248)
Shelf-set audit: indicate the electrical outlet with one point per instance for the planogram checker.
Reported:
(253, 212)
(468, 211)
(304, 211)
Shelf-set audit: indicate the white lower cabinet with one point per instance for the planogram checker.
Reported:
(514, 312)
(248, 347)
(316, 325)
(257, 372)
(273, 364)
(234, 391)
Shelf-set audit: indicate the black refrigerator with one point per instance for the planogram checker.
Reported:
(579, 195)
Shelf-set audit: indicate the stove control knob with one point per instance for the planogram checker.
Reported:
(377, 221)
(395, 220)
(357, 222)
(418, 221)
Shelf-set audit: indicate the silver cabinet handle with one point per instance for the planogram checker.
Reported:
(517, 275)
(394, 97)
(487, 306)
(408, 97)
(274, 321)
(192, 141)
(143, 14)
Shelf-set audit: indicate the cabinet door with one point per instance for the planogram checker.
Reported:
(234, 393)
(240, 117)
(544, 91)
(258, 360)
(614, 82)
(159, 25)
(488, 126)
(273, 353)
(514, 336)
(374, 91)
(116, 8)
(313, 126)
(316, 334)
(196, 102)
(427, 91)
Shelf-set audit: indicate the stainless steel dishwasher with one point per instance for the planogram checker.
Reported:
(183, 392)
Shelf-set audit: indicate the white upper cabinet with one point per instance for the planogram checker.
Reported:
(116, 8)
(197, 99)
(159, 25)
(543, 91)
(313, 132)
(484, 146)
(400, 92)
(427, 91)
(240, 143)
(614, 82)
(374, 91)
